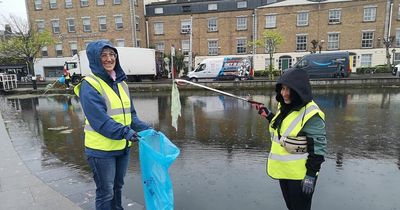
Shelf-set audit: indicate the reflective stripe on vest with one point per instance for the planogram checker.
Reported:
(118, 108)
(284, 165)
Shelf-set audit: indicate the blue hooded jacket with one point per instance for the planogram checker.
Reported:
(94, 106)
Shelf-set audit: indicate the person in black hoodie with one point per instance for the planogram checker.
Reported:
(298, 136)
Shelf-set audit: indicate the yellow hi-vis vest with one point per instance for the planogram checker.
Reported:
(282, 164)
(118, 108)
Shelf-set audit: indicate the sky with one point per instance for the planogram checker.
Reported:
(14, 7)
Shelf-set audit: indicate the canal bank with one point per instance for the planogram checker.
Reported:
(356, 81)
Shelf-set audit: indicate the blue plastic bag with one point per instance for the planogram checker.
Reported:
(61, 80)
(156, 154)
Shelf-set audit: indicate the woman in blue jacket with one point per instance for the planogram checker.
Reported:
(111, 123)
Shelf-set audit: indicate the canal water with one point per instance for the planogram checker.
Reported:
(224, 147)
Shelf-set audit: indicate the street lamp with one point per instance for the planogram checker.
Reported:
(320, 45)
(393, 55)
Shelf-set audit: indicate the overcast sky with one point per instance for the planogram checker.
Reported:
(15, 7)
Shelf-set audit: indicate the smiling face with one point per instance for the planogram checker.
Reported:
(108, 59)
(285, 92)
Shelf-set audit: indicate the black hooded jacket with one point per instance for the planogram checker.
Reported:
(298, 81)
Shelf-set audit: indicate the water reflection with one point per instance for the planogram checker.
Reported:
(224, 145)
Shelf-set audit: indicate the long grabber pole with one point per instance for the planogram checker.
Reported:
(218, 91)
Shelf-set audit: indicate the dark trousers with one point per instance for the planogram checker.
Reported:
(108, 174)
(293, 195)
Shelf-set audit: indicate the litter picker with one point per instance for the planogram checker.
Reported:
(180, 81)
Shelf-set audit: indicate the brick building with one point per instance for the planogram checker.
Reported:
(74, 23)
(218, 27)
(225, 27)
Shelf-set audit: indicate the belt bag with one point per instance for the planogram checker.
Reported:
(294, 145)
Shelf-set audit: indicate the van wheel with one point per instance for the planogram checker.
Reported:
(193, 79)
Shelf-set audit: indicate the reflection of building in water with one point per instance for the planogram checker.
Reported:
(147, 110)
(210, 105)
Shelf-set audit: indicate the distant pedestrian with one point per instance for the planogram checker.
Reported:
(298, 139)
(67, 79)
(111, 122)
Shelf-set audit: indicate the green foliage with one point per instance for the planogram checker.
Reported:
(376, 69)
(265, 73)
(24, 43)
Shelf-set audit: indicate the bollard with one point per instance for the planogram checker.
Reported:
(34, 82)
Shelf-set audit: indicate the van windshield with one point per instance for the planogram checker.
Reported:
(302, 63)
(201, 67)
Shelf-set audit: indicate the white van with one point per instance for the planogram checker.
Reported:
(226, 68)
(207, 69)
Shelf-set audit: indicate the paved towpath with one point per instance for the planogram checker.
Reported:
(32, 179)
(19, 188)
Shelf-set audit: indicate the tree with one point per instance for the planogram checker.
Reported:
(25, 42)
(271, 40)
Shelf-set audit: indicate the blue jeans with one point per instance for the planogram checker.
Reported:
(108, 174)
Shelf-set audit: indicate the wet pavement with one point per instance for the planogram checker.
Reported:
(31, 177)
(19, 187)
(224, 145)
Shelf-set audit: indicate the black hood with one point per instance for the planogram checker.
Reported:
(299, 82)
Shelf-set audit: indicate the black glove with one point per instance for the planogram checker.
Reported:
(135, 137)
(308, 185)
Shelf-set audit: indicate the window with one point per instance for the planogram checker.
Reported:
(398, 13)
(354, 61)
(366, 60)
(212, 24)
(398, 37)
(241, 4)
(137, 21)
(86, 24)
(120, 42)
(119, 25)
(158, 10)
(333, 41)
(71, 24)
(186, 8)
(158, 28)
(369, 13)
(53, 4)
(160, 46)
(68, 3)
(58, 50)
(84, 3)
(334, 16)
(270, 21)
(44, 51)
(38, 4)
(241, 45)
(40, 25)
(74, 48)
(116, 1)
(241, 23)
(212, 7)
(367, 39)
(55, 24)
(213, 47)
(301, 42)
(302, 19)
(185, 47)
(100, 2)
(267, 62)
(185, 26)
(102, 23)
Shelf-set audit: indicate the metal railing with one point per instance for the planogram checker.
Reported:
(8, 81)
